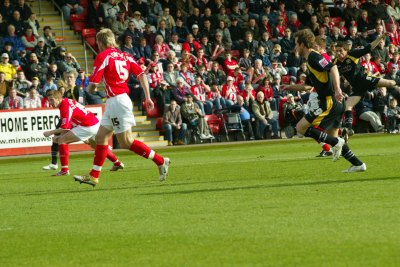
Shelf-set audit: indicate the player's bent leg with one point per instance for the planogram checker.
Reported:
(117, 165)
(126, 141)
(302, 126)
(63, 141)
(102, 137)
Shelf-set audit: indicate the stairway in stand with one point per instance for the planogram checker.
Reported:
(145, 129)
(47, 15)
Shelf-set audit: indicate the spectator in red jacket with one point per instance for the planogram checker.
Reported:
(190, 45)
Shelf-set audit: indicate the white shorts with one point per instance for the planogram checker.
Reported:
(85, 132)
(118, 114)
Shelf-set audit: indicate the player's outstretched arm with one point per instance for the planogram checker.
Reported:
(378, 39)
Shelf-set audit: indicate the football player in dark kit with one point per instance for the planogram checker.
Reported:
(361, 82)
(327, 111)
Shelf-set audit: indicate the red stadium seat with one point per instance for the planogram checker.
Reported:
(78, 17)
(235, 54)
(89, 35)
(281, 118)
(90, 32)
(159, 124)
(78, 26)
(214, 123)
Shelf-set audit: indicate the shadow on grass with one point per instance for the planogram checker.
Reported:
(208, 190)
(97, 189)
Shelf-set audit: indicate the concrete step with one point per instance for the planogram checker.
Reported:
(146, 133)
(144, 128)
(145, 123)
(153, 144)
(150, 138)
(140, 118)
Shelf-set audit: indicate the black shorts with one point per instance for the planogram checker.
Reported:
(328, 115)
(365, 85)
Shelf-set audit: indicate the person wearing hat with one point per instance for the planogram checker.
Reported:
(42, 50)
(7, 68)
(196, 33)
(82, 80)
(128, 47)
(138, 21)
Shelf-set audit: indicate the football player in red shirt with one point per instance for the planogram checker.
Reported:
(77, 124)
(114, 67)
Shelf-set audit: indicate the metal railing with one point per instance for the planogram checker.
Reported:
(86, 44)
(62, 19)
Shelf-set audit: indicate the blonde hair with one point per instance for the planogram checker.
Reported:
(106, 38)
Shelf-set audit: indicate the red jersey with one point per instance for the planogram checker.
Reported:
(114, 67)
(230, 93)
(73, 114)
(199, 91)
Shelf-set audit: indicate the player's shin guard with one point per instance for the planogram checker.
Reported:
(100, 156)
(320, 136)
(54, 152)
(349, 156)
(143, 150)
(348, 121)
(64, 156)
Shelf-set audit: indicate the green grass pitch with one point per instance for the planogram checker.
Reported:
(249, 204)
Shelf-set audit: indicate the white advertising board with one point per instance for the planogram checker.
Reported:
(24, 128)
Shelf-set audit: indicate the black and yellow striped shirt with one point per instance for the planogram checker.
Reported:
(319, 74)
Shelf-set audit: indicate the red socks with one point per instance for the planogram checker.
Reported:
(103, 151)
(111, 157)
(64, 156)
(326, 147)
(100, 155)
(143, 150)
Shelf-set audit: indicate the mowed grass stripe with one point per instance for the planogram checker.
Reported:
(253, 204)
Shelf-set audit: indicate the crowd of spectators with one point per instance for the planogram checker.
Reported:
(220, 53)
